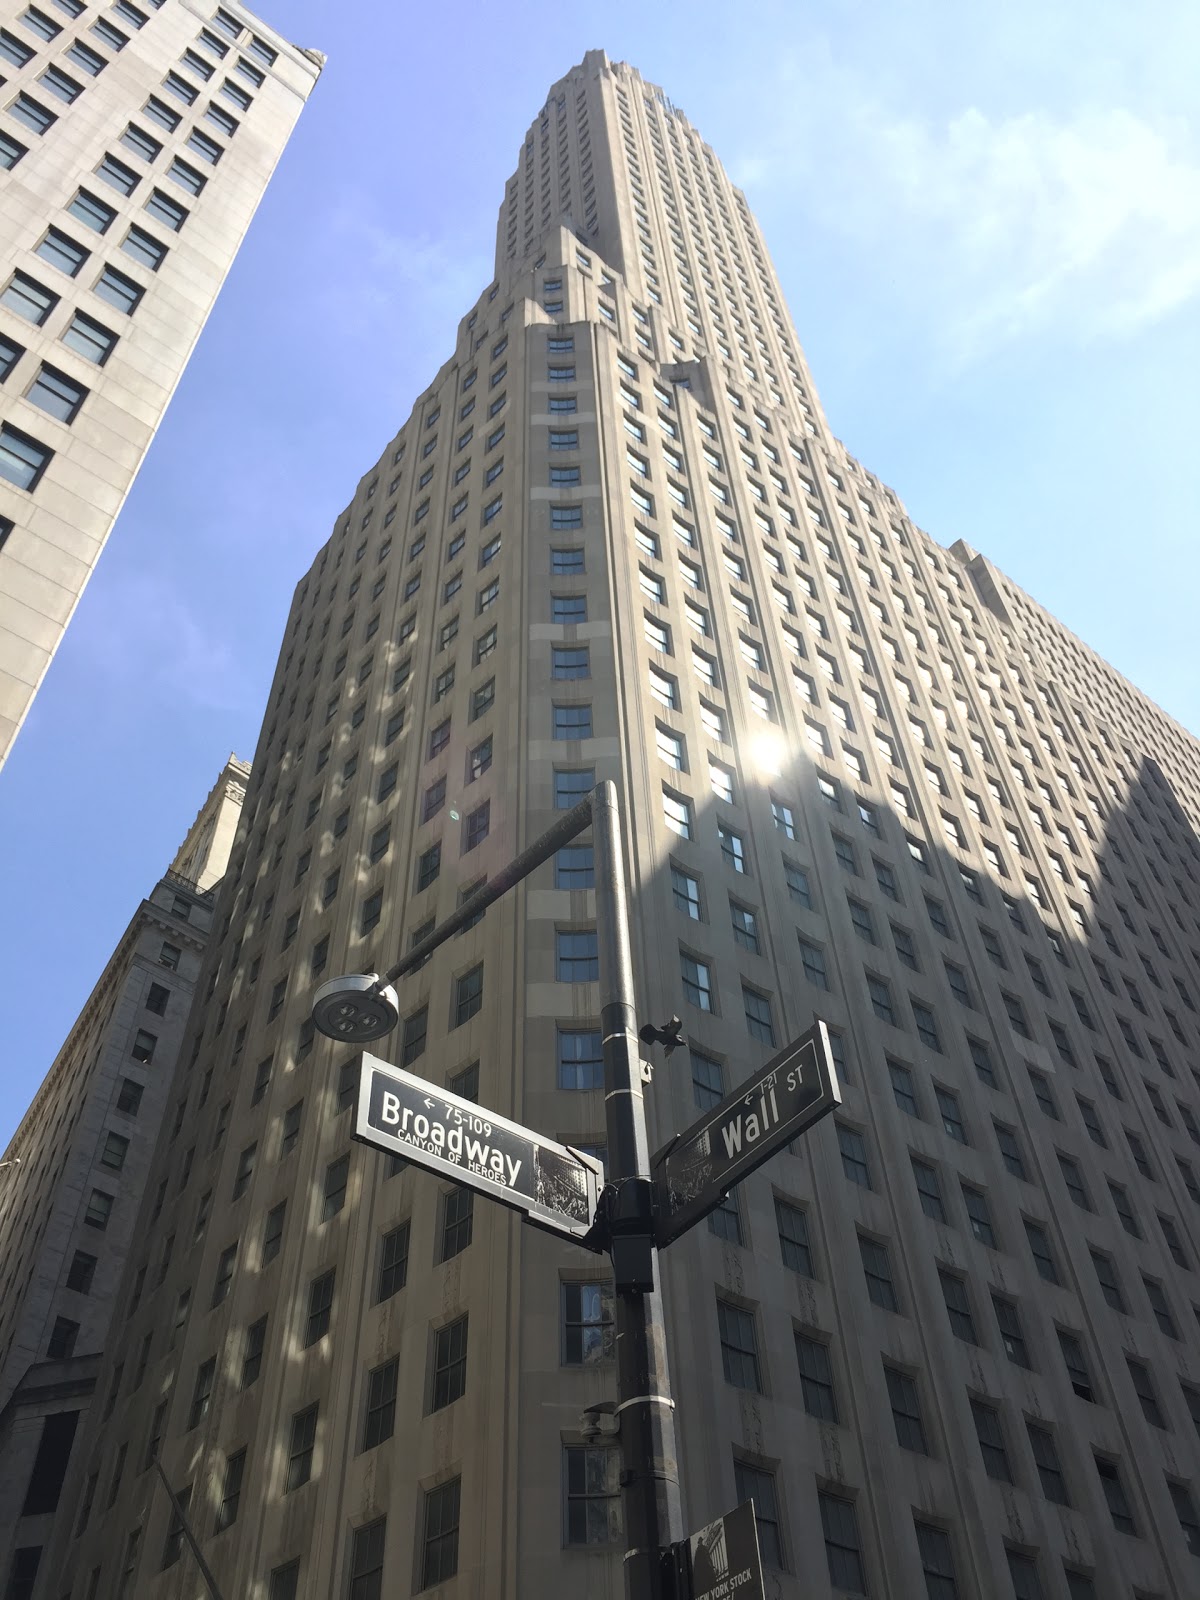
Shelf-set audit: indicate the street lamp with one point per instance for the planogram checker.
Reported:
(362, 1007)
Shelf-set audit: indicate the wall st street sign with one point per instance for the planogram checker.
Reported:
(553, 1185)
(796, 1088)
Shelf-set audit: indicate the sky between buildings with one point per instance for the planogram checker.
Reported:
(986, 222)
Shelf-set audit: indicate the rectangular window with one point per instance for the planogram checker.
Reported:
(118, 290)
(878, 1274)
(393, 1263)
(302, 1438)
(320, 1307)
(816, 1378)
(843, 1547)
(580, 1060)
(337, 1175)
(439, 1536)
(906, 1410)
(739, 1346)
(449, 1364)
(164, 209)
(56, 394)
(958, 1306)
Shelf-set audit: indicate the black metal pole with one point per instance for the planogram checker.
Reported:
(645, 1409)
(186, 1529)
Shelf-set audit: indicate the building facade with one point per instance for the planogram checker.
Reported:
(72, 1178)
(949, 1341)
(136, 140)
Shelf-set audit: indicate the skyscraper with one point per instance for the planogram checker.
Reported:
(947, 1342)
(136, 140)
(72, 1177)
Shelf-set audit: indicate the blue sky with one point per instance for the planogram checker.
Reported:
(986, 221)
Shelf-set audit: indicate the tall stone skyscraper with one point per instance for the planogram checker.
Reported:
(136, 140)
(73, 1175)
(948, 1342)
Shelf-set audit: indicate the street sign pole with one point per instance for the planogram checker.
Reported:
(645, 1409)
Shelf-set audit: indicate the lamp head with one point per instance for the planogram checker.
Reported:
(356, 1009)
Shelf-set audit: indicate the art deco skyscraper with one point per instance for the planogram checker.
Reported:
(136, 140)
(948, 1342)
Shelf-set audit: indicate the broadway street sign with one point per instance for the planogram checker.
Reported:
(795, 1089)
(553, 1185)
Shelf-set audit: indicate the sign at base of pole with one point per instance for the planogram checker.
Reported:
(724, 1559)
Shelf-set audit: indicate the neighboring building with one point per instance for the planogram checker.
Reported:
(949, 1342)
(71, 1183)
(136, 140)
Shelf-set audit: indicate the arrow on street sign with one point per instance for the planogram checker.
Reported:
(697, 1168)
(552, 1185)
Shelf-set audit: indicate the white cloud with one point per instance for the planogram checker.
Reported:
(376, 274)
(146, 641)
(992, 226)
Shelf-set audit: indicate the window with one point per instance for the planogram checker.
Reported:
(439, 1535)
(580, 1060)
(1124, 1210)
(906, 1410)
(1160, 1307)
(758, 1485)
(1077, 1369)
(979, 1215)
(166, 210)
(231, 1492)
(337, 1175)
(429, 864)
(816, 1378)
(1143, 1387)
(1115, 1496)
(564, 562)
(32, 113)
(1010, 1150)
(929, 1189)
(186, 177)
(927, 1029)
(854, 1155)
(937, 1561)
(697, 981)
(878, 1273)
(739, 1346)
(797, 882)
(28, 298)
(881, 998)
(733, 847)
(903, 1088)
(991, 1441)
(569, 662)
(587, 1323)
(1185, 1510)
(301, 1440)
(757, 1009)
(11, 151)
(572, 786)
(118, 290)
(592, 1494)
(320, 1307)
(202, 1392)
(958, 1306)
(573, 721)
(574, 868)
(245, 1170)
(843, 1548)
(59, 250)
(1041, 1443)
